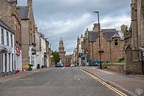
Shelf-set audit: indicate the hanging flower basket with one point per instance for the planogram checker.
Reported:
(18, 51)
(101, 51)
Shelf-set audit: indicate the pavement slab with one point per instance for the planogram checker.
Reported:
(131, 84)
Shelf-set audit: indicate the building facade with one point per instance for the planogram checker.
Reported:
(109, 45)
(28, 29)
(9, 13)
(7, 50)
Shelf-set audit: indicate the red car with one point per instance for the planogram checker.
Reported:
(67, 65)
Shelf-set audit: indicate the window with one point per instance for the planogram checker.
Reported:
(9, 62)
(12, 63)
(7, 37)
(11, 40)
(30, 38)
(2, 36)
(1, 62)
(116, 42)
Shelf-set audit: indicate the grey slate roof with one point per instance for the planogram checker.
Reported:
(116, 36)
(92, 36)
(108, 34)
(24, 10)
(5, 26)
(108, 30)
(10, 1)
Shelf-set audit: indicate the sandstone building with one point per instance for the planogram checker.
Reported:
(111, 43)
(28, 29)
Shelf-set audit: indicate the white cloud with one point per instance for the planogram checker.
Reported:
(116, 22)
(69, 18)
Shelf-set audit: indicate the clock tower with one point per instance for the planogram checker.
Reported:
(61, 51)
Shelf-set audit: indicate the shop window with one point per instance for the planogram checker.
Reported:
(9, 62)
(12, 63)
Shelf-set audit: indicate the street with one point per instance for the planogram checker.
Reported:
(62, 81)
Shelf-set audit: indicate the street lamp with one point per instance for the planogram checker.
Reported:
(109, 40)
(99, 38)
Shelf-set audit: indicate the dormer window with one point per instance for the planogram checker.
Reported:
(116, 42)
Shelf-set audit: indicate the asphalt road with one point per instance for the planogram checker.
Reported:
(64, 81)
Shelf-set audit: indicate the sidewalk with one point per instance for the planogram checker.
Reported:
(133, 85)
(20, 74)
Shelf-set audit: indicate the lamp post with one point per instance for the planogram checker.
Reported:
(110, 49)
(51, 58)
(99, 38)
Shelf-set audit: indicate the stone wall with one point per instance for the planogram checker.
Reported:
(116, 67)
(134, 68)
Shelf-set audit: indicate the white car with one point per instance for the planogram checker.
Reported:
(72, 65)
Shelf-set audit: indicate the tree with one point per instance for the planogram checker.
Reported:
(56, 57)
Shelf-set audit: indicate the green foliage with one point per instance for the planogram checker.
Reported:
(135, 59)
(56, 56)
(30, 67)
(122, 60)
(105, 62)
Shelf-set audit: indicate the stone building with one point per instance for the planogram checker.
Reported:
(134, 44)
(68, 59)
(74, 56)
(28, 29)
(61, 52)
(110, 46)
(9, 13)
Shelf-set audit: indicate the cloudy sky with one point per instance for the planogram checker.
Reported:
(68, 19)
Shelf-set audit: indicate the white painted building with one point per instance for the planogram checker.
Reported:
(7, 50)
(42, 56)
(80, 50)
(32, 56)
(43, 50)
(38, 48)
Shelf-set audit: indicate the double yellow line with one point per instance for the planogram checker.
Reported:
(106, 84)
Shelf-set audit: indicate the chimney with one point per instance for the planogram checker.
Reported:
(95, 28)
(29, 3)
(124, 28)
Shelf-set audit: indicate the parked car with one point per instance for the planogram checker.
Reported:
(67, 65)
(96, 62)
(59, 65)
(73, 65)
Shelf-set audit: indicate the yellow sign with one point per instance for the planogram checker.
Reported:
(25, 66)
(51, 56)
